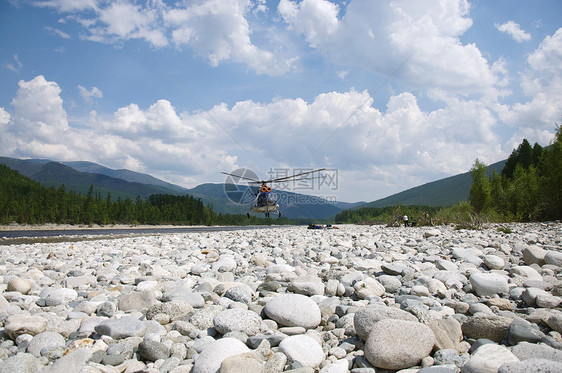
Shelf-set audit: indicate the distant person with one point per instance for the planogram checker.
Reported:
(406, 223)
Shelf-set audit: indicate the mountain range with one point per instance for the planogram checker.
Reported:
(78, 176)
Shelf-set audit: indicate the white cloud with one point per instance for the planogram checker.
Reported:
(68, 5)
(89, 95)
(123, 21)
(536, 118)
(38, 106)
(219, 31)
(157, 138)
(16, 66)
(514, 30)
(379, 36)
(190, 146)
(57, 32)
(216, 30)
(4, 117)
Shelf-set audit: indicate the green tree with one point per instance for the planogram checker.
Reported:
(498, 195)
(479, 194)
(551, 178)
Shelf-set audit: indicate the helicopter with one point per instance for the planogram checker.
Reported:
(266, 201)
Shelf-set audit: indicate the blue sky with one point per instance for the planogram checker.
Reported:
(391, 94)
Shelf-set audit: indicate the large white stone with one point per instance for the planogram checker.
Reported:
(213, 354)
(61, 296)
(488, 284)
(294, 310)
(398, 344)
(488, 358)
(303, 349)
(526, 272)
(24, 324)
(240, 320)
(493, 261)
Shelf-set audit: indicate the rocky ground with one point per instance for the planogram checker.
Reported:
(360, 299)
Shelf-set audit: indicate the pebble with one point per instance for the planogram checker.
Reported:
(20, 285)
(18, 324)
(240, 320)
(247, 362)
(45, 340)
(125, 327)
(488, 359)
(213, 354)
(398, 344)
(153, 350)
(358, 299)
(365, 318)
(488, 284)
(531, 365)
(294, 310)
(302, 349)
(492, 327)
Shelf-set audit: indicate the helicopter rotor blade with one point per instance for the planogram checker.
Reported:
(288, 178)
(241, 177)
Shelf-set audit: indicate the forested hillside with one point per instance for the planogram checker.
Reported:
(25, 201)
(529, 187)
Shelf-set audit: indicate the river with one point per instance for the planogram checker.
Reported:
(11, 237)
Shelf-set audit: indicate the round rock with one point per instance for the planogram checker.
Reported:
(121, 328)
(60, 296)
(153, 350)
(398, 344)
(20, 285)
(247, 362)
(21, 363)
(294, 310)
(214, 353)
(488, 358)
(488, 284)
(203, 318)
(176, 310)
(492, 327)
(43, 340)
(237, 319)
(365, 318)
(531, 365)
(302, 349)
(493, 261)
(24, 324)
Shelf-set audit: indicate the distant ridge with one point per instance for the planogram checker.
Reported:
(49, 173)
(127, 175)
(78, 176)
(440, 193)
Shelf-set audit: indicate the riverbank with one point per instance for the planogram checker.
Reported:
(359, 299)
(56, 227)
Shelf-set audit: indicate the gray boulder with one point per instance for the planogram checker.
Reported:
(488, 284)
(294, 310)
(236, 319)
(213, 354)
(153, 350)
(124, 327)
(398, 344)
(365, 318)
(45, 340)
(531, 365)
(492, 327)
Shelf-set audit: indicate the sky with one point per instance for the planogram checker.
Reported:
(384, 94)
